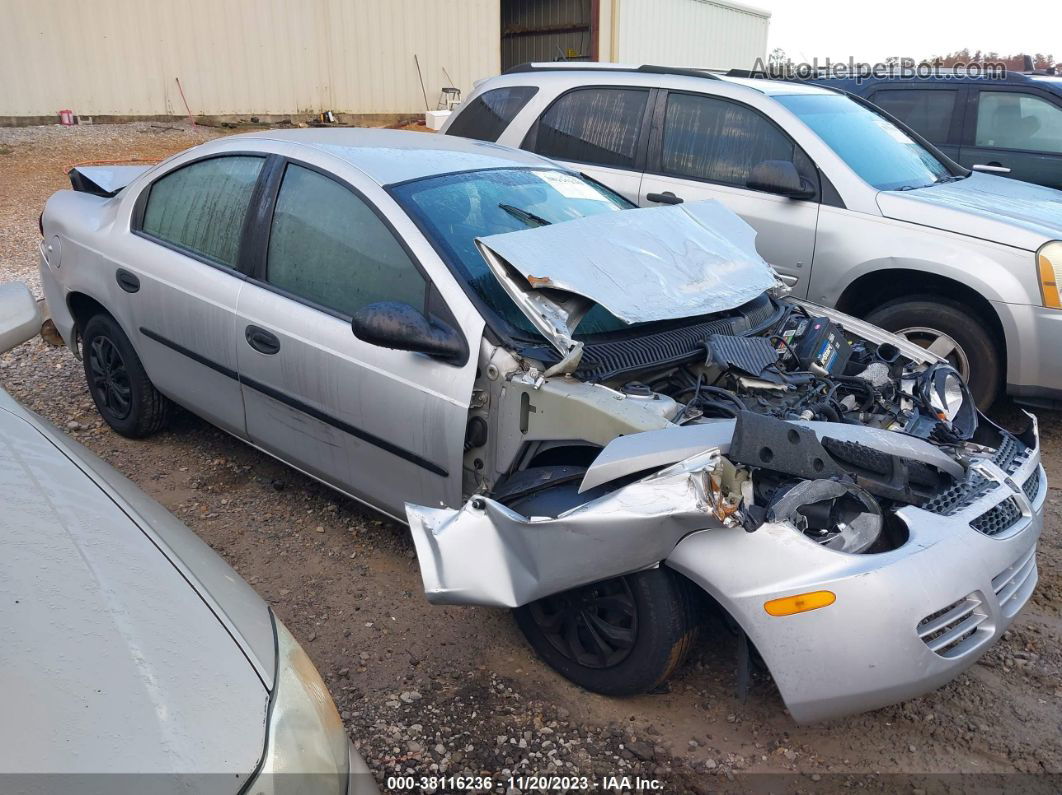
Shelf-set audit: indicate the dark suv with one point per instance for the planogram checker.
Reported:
(1010, 125)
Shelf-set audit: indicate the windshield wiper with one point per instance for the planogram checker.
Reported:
(524, 215)
(951, 178)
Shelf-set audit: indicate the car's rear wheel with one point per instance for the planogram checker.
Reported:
(117, 381)
(620, 636)
(952, 331)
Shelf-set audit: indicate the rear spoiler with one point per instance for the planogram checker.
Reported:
(104, 181)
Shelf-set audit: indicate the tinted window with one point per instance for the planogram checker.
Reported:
(201, 207)
(593, 125)
(878, 151)
(455, 209)
(328, 246)
(713, 139)
(1009, 120)
(925, 111)
(487, 116)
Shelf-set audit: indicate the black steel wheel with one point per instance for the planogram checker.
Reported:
(620, 636)
(117, 381)
(109, 378)
(594, 626)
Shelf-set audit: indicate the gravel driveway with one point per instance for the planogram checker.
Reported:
(427, 689)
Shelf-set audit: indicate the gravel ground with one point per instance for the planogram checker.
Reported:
(453, 690)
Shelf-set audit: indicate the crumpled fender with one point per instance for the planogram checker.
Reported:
(487, 554)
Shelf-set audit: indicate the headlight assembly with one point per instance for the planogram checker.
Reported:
(306, 748)
(1049, 269)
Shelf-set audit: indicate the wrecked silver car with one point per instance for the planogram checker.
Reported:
(605, 417)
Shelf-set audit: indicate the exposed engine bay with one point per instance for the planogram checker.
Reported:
(816, 426)
(805, 368)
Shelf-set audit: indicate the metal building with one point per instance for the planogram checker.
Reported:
(119, 59)
(710, 34)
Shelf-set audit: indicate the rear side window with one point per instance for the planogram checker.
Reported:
(926, 111)
(486, 117)
(721, 141)
(328, 246)
(593, 125)
(200, 208)
(1011, 120)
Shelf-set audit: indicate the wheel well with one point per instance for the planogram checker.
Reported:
(875, 289)
(84, 308)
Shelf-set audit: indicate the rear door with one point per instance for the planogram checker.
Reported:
(933, 111)
(598, 130)
(703, 147)
(1016, 128)
(180, 281)
(385, 426)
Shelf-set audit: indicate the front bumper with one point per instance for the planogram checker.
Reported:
(905, 621)
(1034, 357)
(360, 780)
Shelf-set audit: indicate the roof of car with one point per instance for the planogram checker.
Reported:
(618, 72)
(390, 156)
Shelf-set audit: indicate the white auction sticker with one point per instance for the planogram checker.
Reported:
(570, 186)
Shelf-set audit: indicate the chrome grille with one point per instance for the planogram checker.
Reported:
(951, 631)
(998, 519)
(1014, 584)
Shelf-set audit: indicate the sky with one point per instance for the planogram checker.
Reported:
(870, 32)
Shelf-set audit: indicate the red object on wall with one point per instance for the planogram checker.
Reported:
(66, 118)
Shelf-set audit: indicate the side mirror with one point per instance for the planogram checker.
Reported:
(781, 177)
(391, 324)
(20, 319)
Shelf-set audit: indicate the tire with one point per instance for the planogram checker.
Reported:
(117, 381)
(658, 613)
(923, 316)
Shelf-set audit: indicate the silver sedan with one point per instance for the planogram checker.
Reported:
(612, 419)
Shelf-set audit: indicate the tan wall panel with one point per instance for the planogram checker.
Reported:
(121, 57)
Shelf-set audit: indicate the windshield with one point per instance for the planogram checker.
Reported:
(454, 209)
(875, 148)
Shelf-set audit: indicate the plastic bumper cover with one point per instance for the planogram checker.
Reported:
(904, 622)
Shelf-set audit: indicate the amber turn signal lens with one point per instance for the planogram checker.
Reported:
(801, 603)
(1049, 282)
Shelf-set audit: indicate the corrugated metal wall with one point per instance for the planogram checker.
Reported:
(544, 30)
(695, 33)
(120, 57)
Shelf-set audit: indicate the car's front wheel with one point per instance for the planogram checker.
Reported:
(117, 381)
(621, 636)
(952, 331)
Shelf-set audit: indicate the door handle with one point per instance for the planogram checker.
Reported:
(126, 280)
(261, 340)
(667, 197)
(991, 168)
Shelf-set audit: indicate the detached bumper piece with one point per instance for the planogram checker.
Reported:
(488, 554)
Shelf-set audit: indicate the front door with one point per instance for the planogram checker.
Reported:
(385, 426)
(704, 147)
(1015, 130)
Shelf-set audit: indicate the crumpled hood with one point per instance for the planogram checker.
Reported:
(642, 265)
(985, 206)
(112, 662)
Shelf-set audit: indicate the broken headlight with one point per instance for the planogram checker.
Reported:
(946, 396)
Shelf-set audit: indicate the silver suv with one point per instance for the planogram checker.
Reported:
(853, 209)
